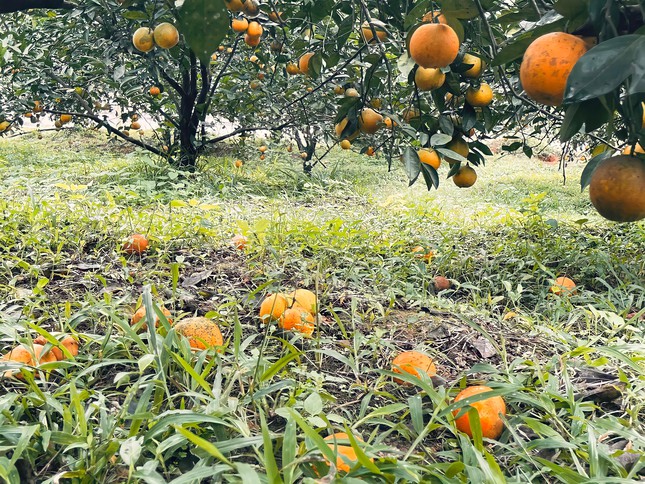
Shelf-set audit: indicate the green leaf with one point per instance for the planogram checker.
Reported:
(412, 164)
(604, 67)
(204, 24)
(430, 176)
(203, 444)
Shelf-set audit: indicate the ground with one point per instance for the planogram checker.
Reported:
(135, 407)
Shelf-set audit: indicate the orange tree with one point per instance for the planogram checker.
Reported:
(421, 82)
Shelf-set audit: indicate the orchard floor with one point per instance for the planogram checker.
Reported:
(142, 408)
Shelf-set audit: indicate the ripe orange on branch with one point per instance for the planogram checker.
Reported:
(379, 28)
(459, 146)
(155, 91)
(547, 63)
(489, 411)
(429, 79)
(617, 188)
(434, 45)
(479, 97)
(143, 39)
(465, 177)
(239, 24)
(254, 29)
(369, 121)
(166, 35)
(303, 62)
(429, 157)
(477, 66)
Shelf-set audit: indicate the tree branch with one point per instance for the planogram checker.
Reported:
(22, 5)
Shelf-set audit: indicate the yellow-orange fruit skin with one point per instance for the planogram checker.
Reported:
(617, 188)
(488, 410)
(368, 121)
(297, 319)
(136, 244)
(166, 35)
(23, 354)
(141, 314)
(429, 79)
(342, 449)
(303, 62)
(68, 342)
(547, 63)
(306, 299)
(273, 307)
(563, 285)
(413, 362)
(460, 147)
(429, 157)
(434, 45)
(465, 177)
(143, 39)
(201, 332)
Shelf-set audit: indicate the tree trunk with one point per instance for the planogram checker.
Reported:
(188, 124)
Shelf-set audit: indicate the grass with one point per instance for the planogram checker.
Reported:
(141, 407)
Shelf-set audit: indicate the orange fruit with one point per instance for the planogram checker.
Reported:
(202, 333)
(459, 146)
(251, 8)
(370, 151)
(239, 241)
(251, 41)
(141, 314)
(255, 84)
(68, 342)
(617, 188)
(304, 298)
(65, 118)
(23, 354)
(292, 69)
(465, 177)
(263, 148)
(262, 157)
(434, 45)
(563, 286)
(239, 163)
(273, 307)
(429, 79)
(135, 244)
(254, 29)
(420, 253)
(297, 319)
(339, 90)
(547, 63)
(351, 92)
(239, 24)
(638, 149)
(275, 16)
(410, 113)
(434, 16)
(379, 28)
(442, 283)
(479, 97)
(339, 443)
(303, 62)
(429, 157)
(389, 124)
(166, 35)
(143, 39)
(38, 107)
(340, 127)
(369, 121)
(155, 91)
(135, 125)
(488, 411)
(477, 66)
(234, 5)
(413, 362)
(345, 144)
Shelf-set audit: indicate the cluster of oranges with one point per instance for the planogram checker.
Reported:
(165, 35)
(292, 312)
(41, 351)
